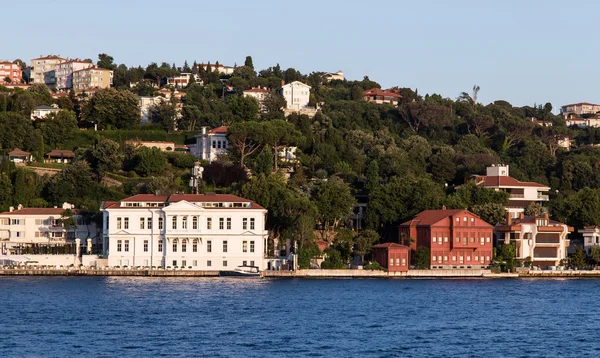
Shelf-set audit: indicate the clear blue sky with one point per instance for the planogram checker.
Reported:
(520, 51)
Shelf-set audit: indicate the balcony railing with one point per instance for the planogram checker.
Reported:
(516, 196)
(543, 197)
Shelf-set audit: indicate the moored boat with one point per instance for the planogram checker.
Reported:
(242, 271)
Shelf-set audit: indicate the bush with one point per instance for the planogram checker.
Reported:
(421, 258)
(374, 266)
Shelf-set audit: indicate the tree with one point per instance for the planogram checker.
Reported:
(248, 62)
(150, 161)
(244, 108)
(535, 209)
(364, 241)
(279, 134)
(105, 156)
(58, 127)
(492, 213)
(245, 138)
(67, 220)
(579, 258)
(421, 258)
(106, 61)
(165, 114)
(334, 203)
(274, 103)
(112, 108)
(5, 192)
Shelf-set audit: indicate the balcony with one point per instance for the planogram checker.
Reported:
(543, 197)
(516, 196)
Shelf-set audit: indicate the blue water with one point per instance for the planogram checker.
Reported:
(215, 317)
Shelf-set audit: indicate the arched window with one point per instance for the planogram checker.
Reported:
(195, 223)
(195, 245)
(175, 242)
(184, 245)
(184, 222)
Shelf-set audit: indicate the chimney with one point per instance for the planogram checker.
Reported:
(20, 206)
(508, 219)
(11, 209)
(546, 216)
(521, 215)
(203, 130)
(443, 207)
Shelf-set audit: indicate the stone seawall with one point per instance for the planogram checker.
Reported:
(381, 274)
(87, 272)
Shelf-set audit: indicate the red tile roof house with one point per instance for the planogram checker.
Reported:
(456, 238)
(394, 257)
(376, 95)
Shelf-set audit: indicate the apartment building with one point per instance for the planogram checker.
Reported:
(210, 144)
(64, 72)
(92, 77)
(456, 238)
(10, 71)
(201, 231)
(43, 70)
(577, 109)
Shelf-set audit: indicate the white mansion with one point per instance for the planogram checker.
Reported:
(198, 231)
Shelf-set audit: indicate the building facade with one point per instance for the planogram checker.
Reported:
(43, 70)
(296, 94)
(376, 95)
(210, 144)
(204, 232)
(577, 109)
(520, 194)
(539, 239)
(27, 229)
(145, 102)
(394, 257)
(259, 94)
(10, 70)
(456, 238)
(92, 77)
(183, 80)
(64, 73)
(41, 112)
(336, 76)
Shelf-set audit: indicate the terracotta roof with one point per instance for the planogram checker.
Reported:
(500, 181)
(49, 57)
(256, 90)
(147, 197)
(379, 93)
(60, 153)
(389, 245)
(430, 217)
(192, 198)
(37, 211)
(581, 103)
(218, 130)
(108, 204)
(18, 152)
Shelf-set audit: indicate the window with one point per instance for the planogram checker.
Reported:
(482, 240)
(252, 247)
(472, 239)
(184, 222)
(465, 219)
(209, 246)
(468, 258)
(403, 261)
(457, 219)
(106, 223)
(126, 245)
(118, 223)
(174, 222)
(458, 239)
(195, 223)
(209, 223)
(434, 239)
(174, 262)
(391, 262)
(453, 258)
(183, 263)
(126, 223)
(161, 223)
(214, 144)
(434, 258)
(228, 223)
(221, 221)
(224, 263)
(487, 258)
(445, 238)
(119, 245)
(461, 259)
(472, 220)
(244, 263)
(224, 245)
(208, 263)
(175, 245)
(251, 223)
(245, 246)
(183, 246)
(149, 223)
(487, 239)
(439, 258)
(145, 245)
(195, 246)
(251, 263)
(142, 223)
(245, 224)
(464, 240)
(160, 244)
(445, 258)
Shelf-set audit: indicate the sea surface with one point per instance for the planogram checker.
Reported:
(217, 317)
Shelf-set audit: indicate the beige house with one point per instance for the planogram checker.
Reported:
(577, 109)
(259, 94)
(43, 70)
(92, 77)
(328, 76)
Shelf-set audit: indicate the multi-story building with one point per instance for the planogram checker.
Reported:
(259, 94)
(64, 72)
(456, 238)
(224, 70)
(26, 230)
(210, 144)
(11, 71)
(577, 109)
(43, 70)
(92, 77)
(183, 80)
(296, 94)
(539, 239)
(520, 193)
(204, 232)
(394, 257)
(376, 95)
(145, 102)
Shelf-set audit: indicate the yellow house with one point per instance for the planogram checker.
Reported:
(93, 77)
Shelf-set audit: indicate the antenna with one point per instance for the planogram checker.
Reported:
(196, 178)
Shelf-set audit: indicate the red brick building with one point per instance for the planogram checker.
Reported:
(10, 70)
(392, 256)
(456, 238)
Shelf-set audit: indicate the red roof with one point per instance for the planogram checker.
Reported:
(148, 198)
(50, 57)
(192, 198)
(500, 181)
(18, 152)
(218, 130)
(430, 217)
(388, 245)
(92, 69)
(377, 92)
(37, 211)
(108, 204)
(60, 153)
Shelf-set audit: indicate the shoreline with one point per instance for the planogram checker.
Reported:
(315, 274)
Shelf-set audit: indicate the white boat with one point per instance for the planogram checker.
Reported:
(242, 271)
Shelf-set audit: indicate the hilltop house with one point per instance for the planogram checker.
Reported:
(296, 94)
(40, 112)
(520, 194)
(259, 94)
(456, 238)
(59, 156)
(579, 109)
(19, 156)
(376, 95)
(210, 144)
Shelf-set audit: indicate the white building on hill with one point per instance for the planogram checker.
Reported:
(210, 144)
(197, 231)
(296, 94)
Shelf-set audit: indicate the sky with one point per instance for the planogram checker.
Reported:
(524, 52)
